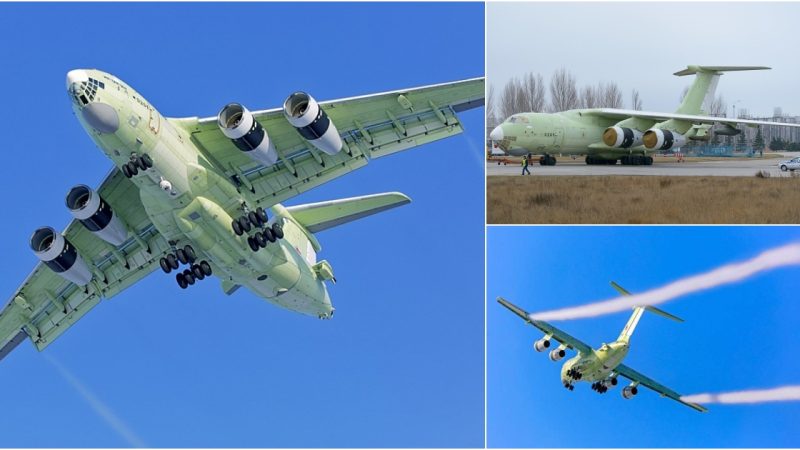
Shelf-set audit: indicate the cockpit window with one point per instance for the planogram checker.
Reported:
(85, 91)
(517, 119)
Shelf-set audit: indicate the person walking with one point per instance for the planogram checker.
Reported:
(525, 161)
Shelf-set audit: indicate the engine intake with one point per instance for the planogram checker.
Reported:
(541, 345)
(239, 125)
(629, 392)
(557, 353)
(658, 139)
(57, 253)
(312, 122)
(86, 205)
(619, 137)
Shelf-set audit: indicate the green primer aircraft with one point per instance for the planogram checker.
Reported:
(606, 135)
(599, 366)
(205, 193)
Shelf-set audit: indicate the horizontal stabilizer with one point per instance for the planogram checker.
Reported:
(320, 216)
(691, 70)
(663, 313)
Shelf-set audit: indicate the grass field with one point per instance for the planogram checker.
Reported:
(643, 199)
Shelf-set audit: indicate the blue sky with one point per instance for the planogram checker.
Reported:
(740, 336)
(400, 365)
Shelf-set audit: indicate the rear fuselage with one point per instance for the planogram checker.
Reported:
(189, 201)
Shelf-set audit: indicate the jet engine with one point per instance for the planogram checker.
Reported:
(557, 353)
(619, 137)
(86, 205)
(311, 121)
(541, 344)
(629, 391)
(239, 125)
(658, 139)
(57, 253)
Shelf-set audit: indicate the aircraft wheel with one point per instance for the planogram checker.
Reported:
(254, 219)
(262, 214)
(181, 281)
(132, 168)
(191, 256)
(270, 235)
(181, 256)
(126, 171)
(188, 276)
(648, 161)
(173, 262)
(252, 243)
(277, 230)
(260, 239)
(164, 265)
(140, 164)
(147, 161)
(237, 229)
(244, 222)
(205, 267)
(198, 272)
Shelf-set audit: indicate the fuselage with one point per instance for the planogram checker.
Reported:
(189, 201)
(598, 365)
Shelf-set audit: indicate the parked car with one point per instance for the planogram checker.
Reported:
(790, 164)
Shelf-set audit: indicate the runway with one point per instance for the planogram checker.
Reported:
(733, 168)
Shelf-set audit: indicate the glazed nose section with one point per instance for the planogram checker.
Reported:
(101, 117)
(497, 134)
(77, 76)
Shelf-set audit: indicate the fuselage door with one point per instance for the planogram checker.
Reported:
(155, 120)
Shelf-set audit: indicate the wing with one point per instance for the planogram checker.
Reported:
(560, 336)
(635, 376)
(371, 126)
(659, 116)
(46, 305)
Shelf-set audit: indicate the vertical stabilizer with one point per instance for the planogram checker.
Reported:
(625, 336)
(701, 93)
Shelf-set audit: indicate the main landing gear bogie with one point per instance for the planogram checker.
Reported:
(574, 374)
(257, 219)
(187, 256)
(595, 161)
(636, 160)
(137, 163)
(547, 160)
(262, 238)
(599, 387)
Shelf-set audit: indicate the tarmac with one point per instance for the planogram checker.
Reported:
(568, 167)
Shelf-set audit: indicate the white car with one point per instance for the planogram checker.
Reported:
(790, 164)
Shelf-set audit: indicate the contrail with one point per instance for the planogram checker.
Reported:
(786, 255)
(781, 394)
(97, 406)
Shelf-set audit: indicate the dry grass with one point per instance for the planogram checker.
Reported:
(643, 199)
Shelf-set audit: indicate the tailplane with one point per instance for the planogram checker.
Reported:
(700, 95)
(637, 314)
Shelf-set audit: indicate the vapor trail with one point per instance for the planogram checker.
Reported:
(781, 394)
(98, 406)
(771, 259)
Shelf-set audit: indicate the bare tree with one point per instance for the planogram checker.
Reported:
(636, 101)
(610, 95)
(491, 107)
(588, 97)
(563, 92)
(718, 106)
(509, 99)
(521, 95)
(533, 87)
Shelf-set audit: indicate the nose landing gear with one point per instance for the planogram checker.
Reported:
(136, 163)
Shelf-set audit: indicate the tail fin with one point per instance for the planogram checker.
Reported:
(700, 95)
(637, 314)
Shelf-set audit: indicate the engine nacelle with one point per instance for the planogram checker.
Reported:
(629, 391)
(541, 345)
(239, 125)
(557, 353)
(311, 121)
(86, 205)
(619, 137)
(658, 139)
(57, 253)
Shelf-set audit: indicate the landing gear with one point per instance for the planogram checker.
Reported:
(636, 160)
(574, 374)
(547, 160)
(257, 219)
(595, 160)
(599, 387)
(185, 255)
(137, 163)
(569, 386)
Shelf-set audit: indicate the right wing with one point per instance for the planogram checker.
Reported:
(560, 336)
(635, 376)
(46, 305)
(371, 126)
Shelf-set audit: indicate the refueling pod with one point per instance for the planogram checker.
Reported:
(311, 121)
(86, 205)
(57, 253)
(239, 125)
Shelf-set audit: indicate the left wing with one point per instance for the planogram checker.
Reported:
(635, 376)
(560, 336)
(659, 116)
(370, 126)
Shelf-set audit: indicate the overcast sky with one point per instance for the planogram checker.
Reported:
(640, 45)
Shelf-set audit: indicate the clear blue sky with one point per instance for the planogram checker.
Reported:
(400, 365)
(741, 336)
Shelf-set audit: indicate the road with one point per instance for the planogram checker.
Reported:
(732, 168)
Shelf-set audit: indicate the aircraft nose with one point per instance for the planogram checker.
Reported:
(101, 116)
(76, 76)
(497, 134)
